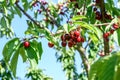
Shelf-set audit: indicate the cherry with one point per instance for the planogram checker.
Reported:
(79, 39)
(105, 35)
(82, 39)
(63, 37)
(50, 44)
(101, 54)
(67, 37)
(115, 26)
(78, 13)
(63, 44)
(76, 33)
(112, 31)
(70, 44)
(26, 44)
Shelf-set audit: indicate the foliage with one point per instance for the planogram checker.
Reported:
(106, 68)
(96, 23)
(37, 74)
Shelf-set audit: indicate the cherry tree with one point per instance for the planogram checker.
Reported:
(90, 27)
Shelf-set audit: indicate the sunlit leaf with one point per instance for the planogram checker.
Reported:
(9, 48)
(13, 63)
(106, 68)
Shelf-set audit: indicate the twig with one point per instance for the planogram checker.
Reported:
(103, 24)
(35, 22)
(88, 43)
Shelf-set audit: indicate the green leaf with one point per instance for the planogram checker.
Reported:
(12, 1)
(25, 4)
(18, 11)
(32, 55)
(65, 26)
(78, 17)
(9, 48)
(39, 46)
(93, 37)
(85, 25)
(13, 63)
(23, 53)
(3, 22)
(106, 68)
(118, 35)
(5, 10)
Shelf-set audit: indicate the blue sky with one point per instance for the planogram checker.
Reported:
(48, 61)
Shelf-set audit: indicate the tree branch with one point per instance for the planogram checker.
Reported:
(28, 16)
(85, 61)
(106, 42)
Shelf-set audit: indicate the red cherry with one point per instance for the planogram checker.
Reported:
(79, 39)
(112, 31)
(63, 37)
(105, 35)
(67, 37)
(63, 44)
(78, 13)
(50, 44)
(70, 44)
(26, 44)
(76, 33)
(115, 26)
(82, 39)
(101, 54)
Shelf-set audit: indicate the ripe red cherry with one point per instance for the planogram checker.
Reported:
(70, 44)
(63, 44)
(105, 35)
(26, 44)
(76, 33)
(67, 37)
(79, 39)
(50, 44)
(115, 26)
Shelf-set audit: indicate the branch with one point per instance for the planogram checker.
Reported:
(106, 42)
(28, 16)
(85, 61)
(50, 16)
(103, 24)
(88, 44)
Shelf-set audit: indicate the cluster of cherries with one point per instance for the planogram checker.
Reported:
(71, 39)
(98, 15)
(115, 26)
